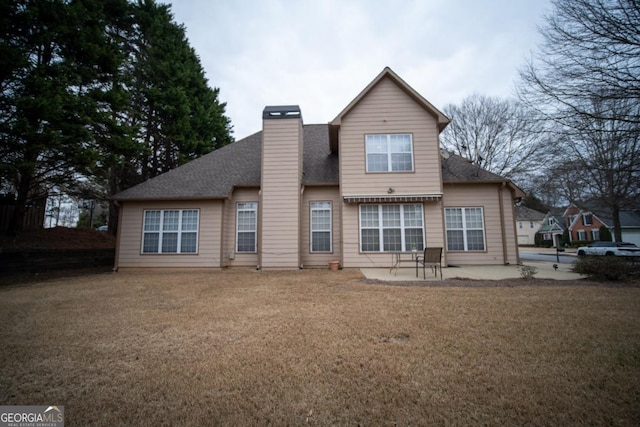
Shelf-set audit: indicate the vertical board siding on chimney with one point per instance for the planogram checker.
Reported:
(280, 198)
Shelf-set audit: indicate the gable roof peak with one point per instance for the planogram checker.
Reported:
(387, 72)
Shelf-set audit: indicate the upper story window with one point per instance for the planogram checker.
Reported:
(389, 153)
(170, 231)
(587, 219)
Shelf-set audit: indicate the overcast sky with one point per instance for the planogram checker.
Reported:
(320, 54)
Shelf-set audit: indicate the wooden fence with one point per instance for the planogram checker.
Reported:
(33, 218)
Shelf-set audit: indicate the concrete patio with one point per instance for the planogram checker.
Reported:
(545, 270)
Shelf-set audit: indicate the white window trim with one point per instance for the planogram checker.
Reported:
(255, 230)
(161, 232)
(311, 230)
(389, 153)
(381, 227)
(464, 230)
(584, 235)
(584, 219)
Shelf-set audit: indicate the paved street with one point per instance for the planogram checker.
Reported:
(548, 255)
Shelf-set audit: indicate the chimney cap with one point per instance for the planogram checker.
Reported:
(282, 112)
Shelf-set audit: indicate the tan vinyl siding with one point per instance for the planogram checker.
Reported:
(229, 243)
(209, 231)
(387, 109)
(433, 228)
(279, 239)
(320, 194)
(487, 197)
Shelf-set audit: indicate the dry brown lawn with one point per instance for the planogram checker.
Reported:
(321, 348)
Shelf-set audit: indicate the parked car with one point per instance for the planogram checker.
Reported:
(103, 228)
(610, 248)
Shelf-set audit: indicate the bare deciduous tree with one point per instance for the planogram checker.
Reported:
(585, 79)
(590, 50)
(501, 135)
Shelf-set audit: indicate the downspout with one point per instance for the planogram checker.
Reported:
(505, 258)
(300, 213)
(223, 260)
(116, 261)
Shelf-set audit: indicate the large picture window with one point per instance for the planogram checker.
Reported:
(170, 231)
(389, 153)
(246, 227)
(320, 226)
(465, 229)
(391, 228)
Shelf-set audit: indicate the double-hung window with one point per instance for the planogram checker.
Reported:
(390, 228)
(320, 226)
(465, 229)
(587, 219)
(389, 153)
(246, 227)
(170, 231)
(595, 235)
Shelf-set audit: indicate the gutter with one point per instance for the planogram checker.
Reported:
(505, 258)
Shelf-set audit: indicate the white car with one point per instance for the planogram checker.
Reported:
(610, 249)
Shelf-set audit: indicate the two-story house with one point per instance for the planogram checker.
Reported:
(528, 222)
(585, 222)
(583, 225)
(371, 182)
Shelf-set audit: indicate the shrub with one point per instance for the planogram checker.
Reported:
(607, 267)
(527, 272)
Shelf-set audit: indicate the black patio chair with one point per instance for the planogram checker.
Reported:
(432, 257)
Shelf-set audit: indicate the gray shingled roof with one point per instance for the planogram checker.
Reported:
(524, 213)
(214, 175)
(458, 169)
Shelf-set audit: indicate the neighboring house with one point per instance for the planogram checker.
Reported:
(583, 225)
(371, 182)
(528, 222)
(552, 228)
(630, 224)
(585, 222)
